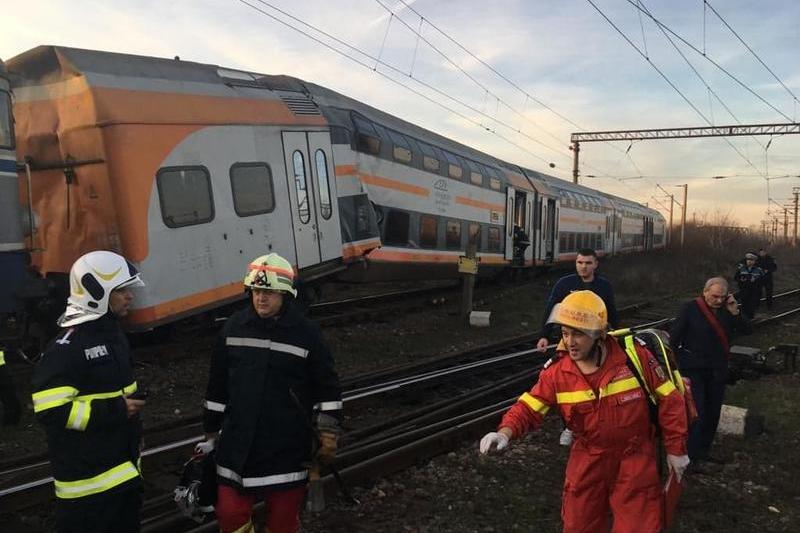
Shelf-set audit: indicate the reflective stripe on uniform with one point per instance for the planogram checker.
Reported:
(79, 415)
(2, 358)
(99, 483)
(577, 396)
(266, 344)
(328, 406)
(55, 397)
(534, 403)
(58, 396)
(247, 528)
(214, 406)
(616, 387)
(665, 388)
(274, 479)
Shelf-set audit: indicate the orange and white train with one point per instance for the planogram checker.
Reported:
(190, 170)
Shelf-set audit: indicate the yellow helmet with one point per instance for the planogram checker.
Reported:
(271, 272)
(581, 310)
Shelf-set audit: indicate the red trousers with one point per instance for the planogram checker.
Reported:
(624, 481)
(234, 510)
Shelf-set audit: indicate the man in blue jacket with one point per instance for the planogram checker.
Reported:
(584, 279)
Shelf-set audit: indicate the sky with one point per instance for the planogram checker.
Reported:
(559, 67)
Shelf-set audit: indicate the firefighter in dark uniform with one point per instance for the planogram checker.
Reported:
(271, 375)
(83, 390)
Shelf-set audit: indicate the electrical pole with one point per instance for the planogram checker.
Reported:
(785, 225)
(683, 213)
(671, 204)
(576, 147)
(796, 192)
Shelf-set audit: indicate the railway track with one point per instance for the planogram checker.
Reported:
(442, 403)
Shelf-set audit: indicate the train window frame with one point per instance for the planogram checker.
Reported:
(494, 239)
(392, 220)
(474, 237)
(452, 244)
(169, 219)
(269, 207)
(401, 150)
(475, 174)
(367, 138)
(425, 240)
(297, 187)
(454, 169)
(495, 184)
(7, 115)
(430, 159)
(323, 191)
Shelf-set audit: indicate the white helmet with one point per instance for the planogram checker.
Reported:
(271, 272)
(91, 279)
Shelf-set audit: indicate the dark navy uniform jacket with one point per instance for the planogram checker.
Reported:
(77, 394)
(267, 378)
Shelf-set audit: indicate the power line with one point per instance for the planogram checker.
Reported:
(691, 66)
(707, 58)
(528, 96)
(666, 78)
(373, 59)
(706, 2)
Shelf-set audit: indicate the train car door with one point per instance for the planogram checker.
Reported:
(329, 231)
(301, 198)
(510, 196)
(550, 232)
(530, 225)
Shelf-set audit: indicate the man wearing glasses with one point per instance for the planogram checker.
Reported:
(701, 337)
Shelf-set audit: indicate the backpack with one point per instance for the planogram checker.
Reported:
(657, 343)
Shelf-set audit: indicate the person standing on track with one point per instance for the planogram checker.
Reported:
(700, 337)
(585, 278)
(270, 372)
(766, 263)
(85, 396)
(749, 278)
(612, 467)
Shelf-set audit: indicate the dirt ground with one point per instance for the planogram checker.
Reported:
(519, 490)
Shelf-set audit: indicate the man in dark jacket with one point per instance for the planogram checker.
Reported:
(701, 337)
(84, 394)
(584, 279)
(767, 263)
(271, 373)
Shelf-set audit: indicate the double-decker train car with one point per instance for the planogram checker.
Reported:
(190, 170)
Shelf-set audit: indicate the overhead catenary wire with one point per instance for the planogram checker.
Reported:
(665, 77)
(725, 22)
(371, 58)
(708, 58)
(503, 77)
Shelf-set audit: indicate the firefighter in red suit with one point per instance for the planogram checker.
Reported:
(612, 465)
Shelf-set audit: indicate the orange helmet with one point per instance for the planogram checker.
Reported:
(581, 310)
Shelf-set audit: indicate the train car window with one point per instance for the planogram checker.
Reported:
(324, 187)
(401, 150)
(476, 178)
(253, 193)
(301, 187)
(6, 123)
(185, 196)
(562, 242)
(396, 228)
(428, 230)
(367, 139)
(570, 241)
(430, 160)
(495, 184)
(454, 169)
(495, 245)
(453, 234)
(475, 233)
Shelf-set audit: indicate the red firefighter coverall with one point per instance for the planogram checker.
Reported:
(613, 459)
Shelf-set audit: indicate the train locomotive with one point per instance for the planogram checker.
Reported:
(191, 169)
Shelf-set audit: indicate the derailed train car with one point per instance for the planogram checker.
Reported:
(190, 170)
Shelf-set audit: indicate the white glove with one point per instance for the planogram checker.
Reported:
(498, 440)
(566, 438)
(678, 464)
(205, 447)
